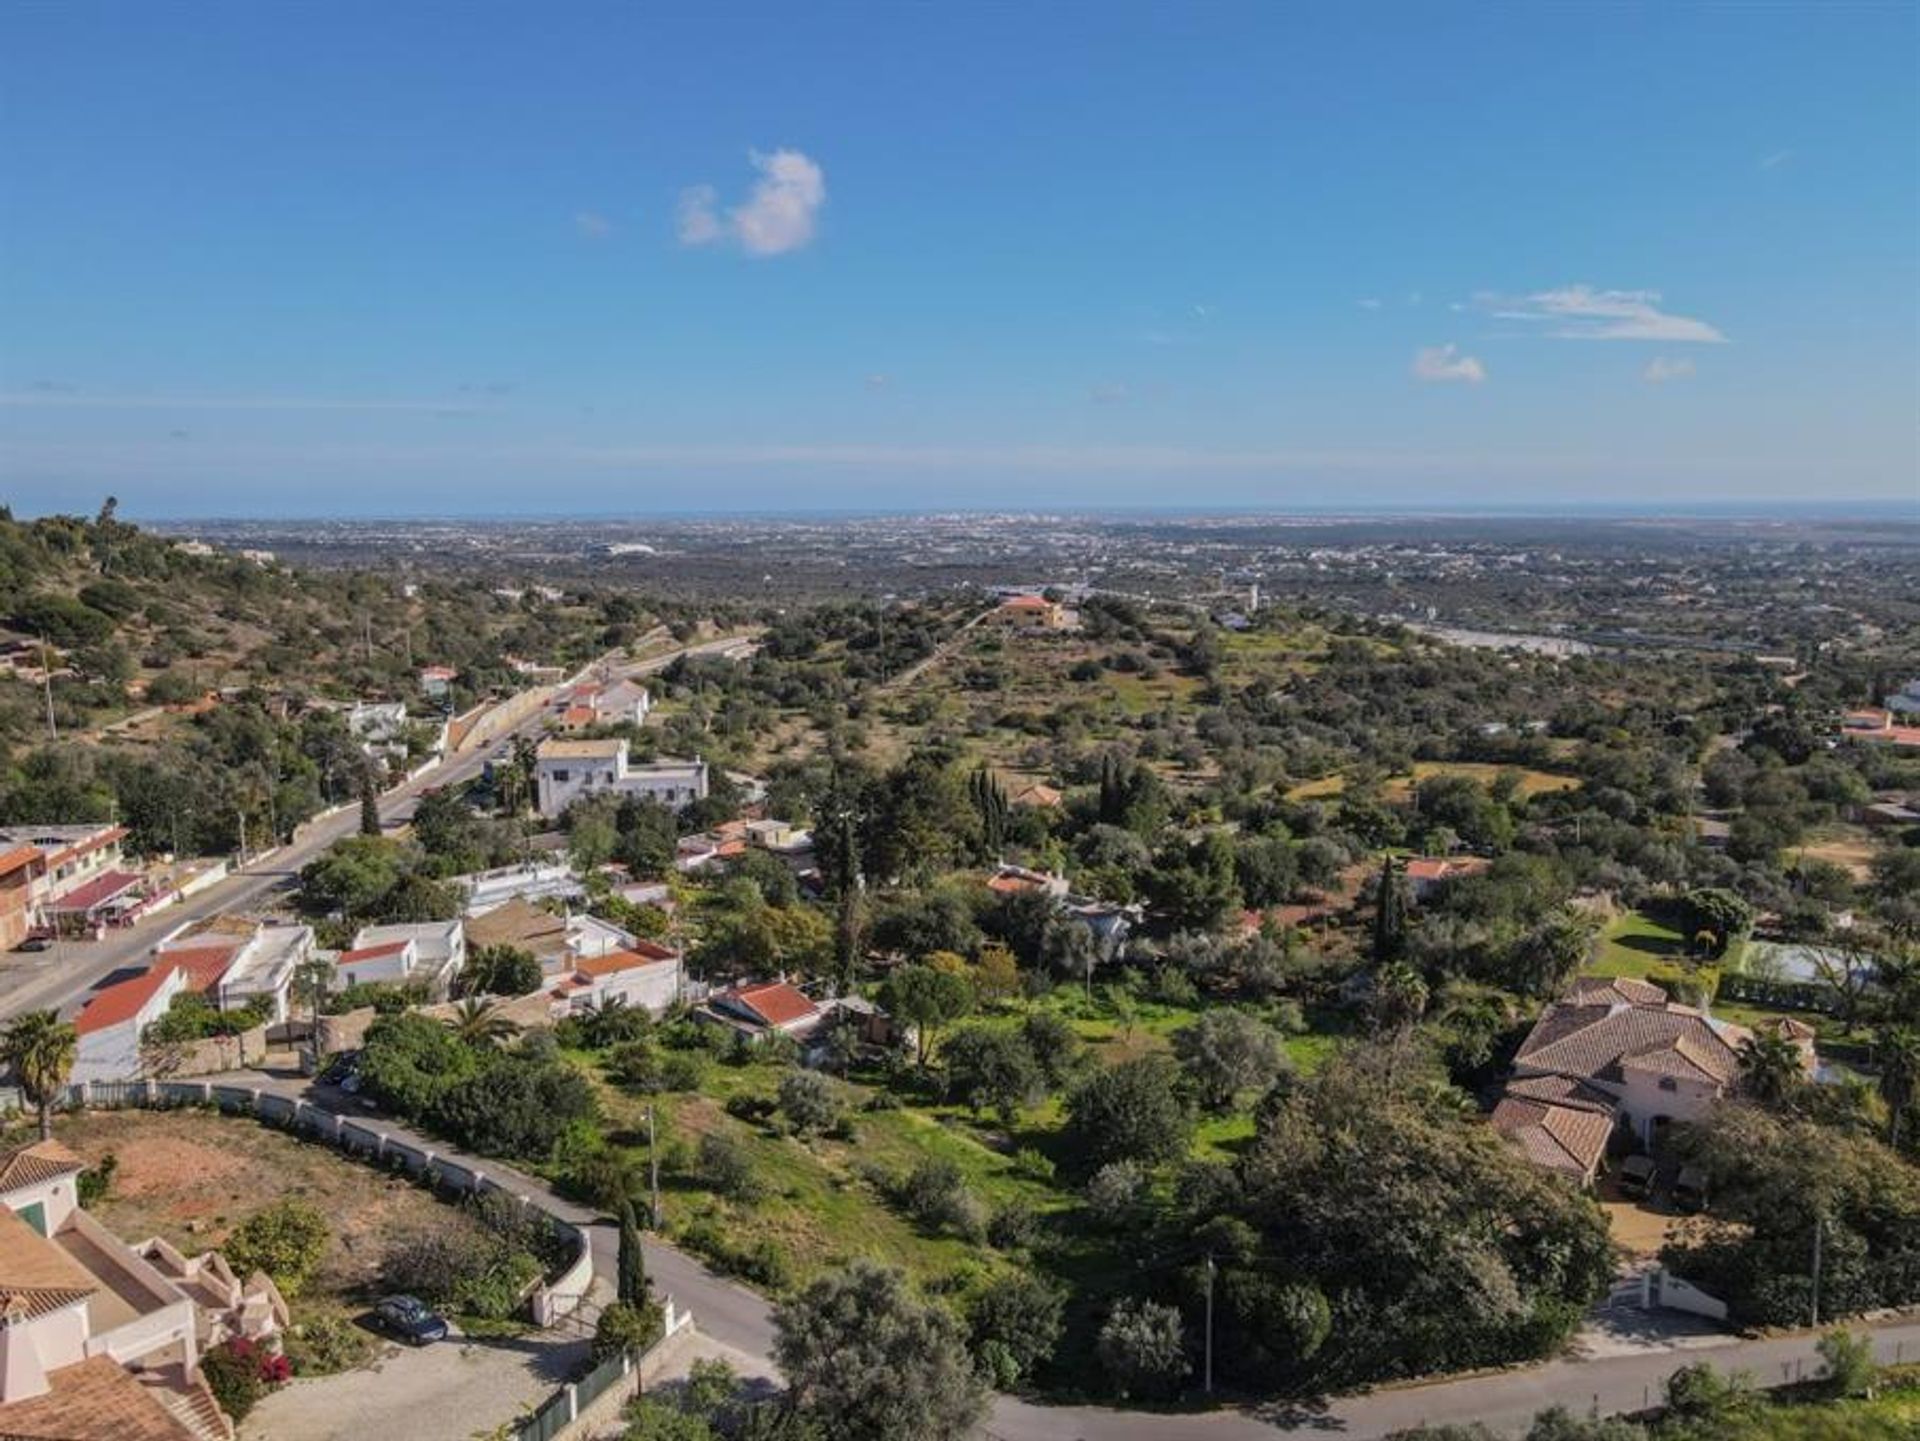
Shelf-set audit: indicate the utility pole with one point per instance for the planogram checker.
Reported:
(653, 1169)
(1209, 1379)
(1819, 1230)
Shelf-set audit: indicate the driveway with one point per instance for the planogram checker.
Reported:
(444, 1392)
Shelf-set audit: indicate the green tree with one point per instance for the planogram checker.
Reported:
(479, 1024)
(926, 999)
(1129, 1112)
(369, 802)
(1228, 1053)
(1771, 1070)
(864, 1357)
(1389, 916)
(627, 1327)
(1021, 1314)
(1898, 1053)
(991, 1066)
(286, 1240)
(39, 1048)
(500, 971)
(1851, 1369)
(631, 1284)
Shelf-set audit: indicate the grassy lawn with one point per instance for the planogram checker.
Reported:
(1400, 788)
(1632, 944)
(1892, 1415)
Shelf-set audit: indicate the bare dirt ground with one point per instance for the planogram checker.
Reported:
(192, 1177)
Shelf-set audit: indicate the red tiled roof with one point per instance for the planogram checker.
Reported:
(19, 856)
(372, 953)
(616, 961)
(775, 1002)
(99, 890)
(1027, 602)
(122, 1001)
(203, 965)
(1615, 990)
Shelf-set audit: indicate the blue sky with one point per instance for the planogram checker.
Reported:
(478, 258)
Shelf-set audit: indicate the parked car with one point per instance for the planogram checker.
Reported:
(1690, 1190)
(36, 943)
(408, 1319)
(1636, 1177)
(344, 1065)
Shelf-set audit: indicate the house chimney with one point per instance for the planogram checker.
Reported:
(22, 1376)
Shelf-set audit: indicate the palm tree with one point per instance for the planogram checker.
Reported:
(1899, 1076)
(39, 1046)
(1771, 1068)
(478, 1023)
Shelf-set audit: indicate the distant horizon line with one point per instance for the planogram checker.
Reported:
(1755, 509)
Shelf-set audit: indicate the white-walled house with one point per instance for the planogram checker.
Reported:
(644, 975)
(95, 1343)
(429, 952)
(109, 1026)
(566, 770)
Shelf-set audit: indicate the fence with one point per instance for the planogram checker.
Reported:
(555, 1299)
(570, 1402)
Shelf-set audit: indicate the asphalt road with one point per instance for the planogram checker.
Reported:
(63, 978)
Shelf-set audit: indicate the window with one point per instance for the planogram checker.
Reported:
(1667, 1083)
(562, 777)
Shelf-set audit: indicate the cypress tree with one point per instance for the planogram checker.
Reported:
(369, 803)
(630, 1276)
(1389, 916)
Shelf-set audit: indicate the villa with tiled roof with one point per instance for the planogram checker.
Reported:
(1614, 1054)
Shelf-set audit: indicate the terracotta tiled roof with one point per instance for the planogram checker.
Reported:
(204, 965)
(1785, 1027)
(1568, 1139)
(1027, 602)
(100, 889)
(17, 858)
(1576, 1038)
(1615, 990)
(615, 961)
(372, 953)
(1561, 1091)
(122, 1001)
(37, 1276)
(31, 1165)
(775, 1002)
(1038, 795)
(94, 1400)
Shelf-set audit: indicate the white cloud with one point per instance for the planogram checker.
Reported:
(1441, 363)
(592, 224)
(1660, 370)
(1372, 302)
(879, 380)
(1778, 158)
(779, 214)
(1579, 312)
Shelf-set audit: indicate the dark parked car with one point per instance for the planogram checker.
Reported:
(409, 1320)
(1636, 1177)
(36, 943)
(1690, 1190)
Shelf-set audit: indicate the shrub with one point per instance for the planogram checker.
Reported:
(326, 1343)
(1143, 1349)
(626, 1328)
(239, 1372)
(1033, 1165)
(1013, 1226)
(286, 1241)
(1019, 1317)
(1115, 1193)
(95, 1181)
(1850, 1366)
(809, 1101)
(935, 1194)
(727, 1169)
